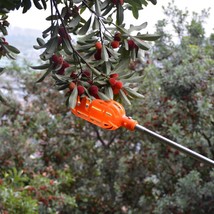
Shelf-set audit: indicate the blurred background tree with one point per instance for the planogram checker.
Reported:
(62, 164)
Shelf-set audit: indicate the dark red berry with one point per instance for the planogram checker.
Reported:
(81, 90)
(93, 90)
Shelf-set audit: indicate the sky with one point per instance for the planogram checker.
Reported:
(35, 19)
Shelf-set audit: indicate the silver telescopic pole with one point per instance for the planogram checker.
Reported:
(176, 146)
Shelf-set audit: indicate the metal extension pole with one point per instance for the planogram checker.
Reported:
(176, 146)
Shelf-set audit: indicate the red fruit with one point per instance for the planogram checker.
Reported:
(117, 36)
(115, 2)
(63, 33)
(59, 40)
(115, 76)
(98, 45)
(57, 59)
(97, 55)
(73, 75)
(65, 64)
(116, 91)
(86, 73)
(112, 81)
(81, 90)
(71, 86)
(61, 71)
(118, 85)
(131, 44)
(115, 44)
(93, 90)
(54, 58)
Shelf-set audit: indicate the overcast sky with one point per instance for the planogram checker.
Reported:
(35, 19)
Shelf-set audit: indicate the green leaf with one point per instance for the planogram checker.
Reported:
(85, 27)
(85, 47)
(40, 67)
(73, 98)
(45, 74)
(133, 92)
(95, 25)
(120, 15)
(137, 28)
(108, 9)
(104, 54)
(44, 4)
(148, 37)
(67, 46)
(37, 4)
(97, 8)
(26, 4)
(13, 49)
(52, 17)
(141, 44)
(124, 98)
(52, 45)
(40, 41)
(103, 96)
(109, 92)
(135, 12)
(75, 21)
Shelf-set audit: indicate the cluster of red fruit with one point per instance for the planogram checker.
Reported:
(114, 44)
(115, 83)
(60, 63)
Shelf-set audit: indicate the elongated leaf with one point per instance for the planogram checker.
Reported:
(45, 74)
(44, 4)
(103, 96)
(40, 67)
(135, 12)
(97, 7)
(85, 47)
(85, 27)
(133, 92)
(37, 4)
(137, 28)
(40, 41)
(108, 9)
(52, 45)
(12, 49)
(52, 17)
(120, 15)
(109, 92)
(73, 98)
(141, 44)
(75, 21)
(67, 47)
(124, 98)
(148, 37)
(95, 25)
(104, 54)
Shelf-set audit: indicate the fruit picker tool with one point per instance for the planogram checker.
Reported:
(111, 115)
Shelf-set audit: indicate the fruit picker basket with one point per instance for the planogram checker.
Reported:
(111, 115)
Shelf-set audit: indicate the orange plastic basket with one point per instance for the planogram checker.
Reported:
(105, 114)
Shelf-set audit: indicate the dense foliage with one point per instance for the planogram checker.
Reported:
(88, 48)
(52, 162)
